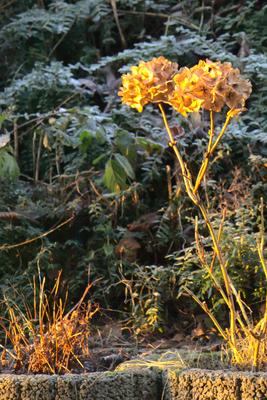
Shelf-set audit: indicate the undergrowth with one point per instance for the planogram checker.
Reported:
(81, 154)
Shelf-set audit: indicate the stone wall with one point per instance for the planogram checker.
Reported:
(132, 385)
(199, 384)
(140, 384)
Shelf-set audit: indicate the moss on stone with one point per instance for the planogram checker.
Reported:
(214, 385)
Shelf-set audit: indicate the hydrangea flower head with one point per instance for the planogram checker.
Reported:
(220, 84)
(149, 82)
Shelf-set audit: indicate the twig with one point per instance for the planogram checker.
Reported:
(38, 157)
(13, 246)
(116, 17)
(16, 141)
(60, 40)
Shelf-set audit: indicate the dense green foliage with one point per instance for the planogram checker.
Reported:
(81, 153)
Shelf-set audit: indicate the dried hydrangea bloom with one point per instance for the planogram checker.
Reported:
(149, 82)
(182, 98)
(220, 84)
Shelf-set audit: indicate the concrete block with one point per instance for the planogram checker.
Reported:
(68, 387)
(198, 384)
(38, 387)
(214, 385)
(253, 386)
(9, 387)
(176, 385)
(128, 385)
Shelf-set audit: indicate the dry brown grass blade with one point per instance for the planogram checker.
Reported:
(55, 340)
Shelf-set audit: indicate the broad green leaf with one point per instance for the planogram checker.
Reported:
(125, 143)
(86, 139)
(98, 159)
(114, 176)
(148, 144)
(108, 249)
(124, 163)
(8, 165)
(2, 119)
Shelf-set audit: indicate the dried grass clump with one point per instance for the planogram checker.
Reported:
(47, 340)
(246, 348)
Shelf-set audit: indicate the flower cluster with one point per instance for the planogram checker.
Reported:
(209, 85)
(149, 82)
(183, 98)
(219, 84)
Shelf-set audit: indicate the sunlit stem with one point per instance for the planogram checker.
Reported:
(228, 286)
(196, 200)
(216, 323)
(226, 123)
(207, 311)
(211, 148)
(185, 171)
(207, 267)
(263, 322)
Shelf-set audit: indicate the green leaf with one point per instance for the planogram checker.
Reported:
(2, 119)
(98, 159)
(148, 144)
(100, 136)
(9, 168)
(114, 176)
(86, 139)
(125, 165)
(125, 143)
(108, 249)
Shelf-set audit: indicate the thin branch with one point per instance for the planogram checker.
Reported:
(116, 17)
(13, 246)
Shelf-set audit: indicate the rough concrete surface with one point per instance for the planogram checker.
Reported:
(253, 386)
(200, 384)
(140, 384)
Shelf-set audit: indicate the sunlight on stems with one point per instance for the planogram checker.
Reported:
(218, 238)
(211, 86)
(211, 149)
(196, 200)
(200, 250)
(185, 171)
(205, 162)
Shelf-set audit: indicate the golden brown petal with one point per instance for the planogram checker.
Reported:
(149, 82)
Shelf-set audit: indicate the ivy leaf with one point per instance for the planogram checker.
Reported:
(125, 165)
